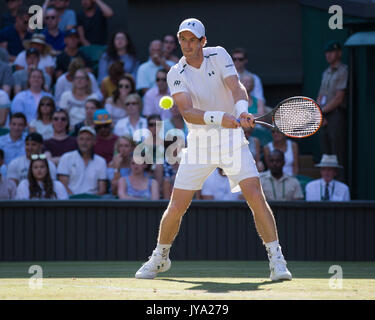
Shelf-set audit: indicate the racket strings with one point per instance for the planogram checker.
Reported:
(298, 117)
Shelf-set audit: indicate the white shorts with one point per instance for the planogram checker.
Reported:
(191, 176)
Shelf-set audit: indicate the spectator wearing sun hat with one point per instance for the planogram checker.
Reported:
(82, 171)
(105, 138)
(327, 188)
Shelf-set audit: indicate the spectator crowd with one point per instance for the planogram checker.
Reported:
(74, 95)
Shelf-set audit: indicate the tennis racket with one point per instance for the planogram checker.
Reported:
(296, 117)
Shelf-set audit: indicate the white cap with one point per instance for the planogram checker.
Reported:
(87, 129)
(194, 26)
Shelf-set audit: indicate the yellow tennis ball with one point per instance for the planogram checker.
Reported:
(166, 102)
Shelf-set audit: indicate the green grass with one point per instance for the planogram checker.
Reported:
(186, 280)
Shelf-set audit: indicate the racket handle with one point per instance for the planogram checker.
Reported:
(268, 125)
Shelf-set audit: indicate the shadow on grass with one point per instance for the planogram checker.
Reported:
(221, 287)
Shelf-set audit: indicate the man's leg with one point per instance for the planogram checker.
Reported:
(266, 226)
(168, 230)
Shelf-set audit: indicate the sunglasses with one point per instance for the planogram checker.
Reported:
(131, 103)
(50, 17)
(38, 156)
(46, 104)
(59, 119)
(100, 126)
(238, 59)
(151, 124)
(161, 79)
(121, 86)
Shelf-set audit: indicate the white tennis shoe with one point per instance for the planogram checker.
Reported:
(156, 263)
(278, 268)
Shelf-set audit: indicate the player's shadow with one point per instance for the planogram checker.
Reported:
(220, 287)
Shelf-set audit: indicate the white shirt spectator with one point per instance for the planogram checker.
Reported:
(45, 130)
(23, 192)
(218, 186)
(45, 61)
(151, 104)
(19, 167)
(62, 85)
(124, 127)
(337, 190)
(82, 178)
(257, 92)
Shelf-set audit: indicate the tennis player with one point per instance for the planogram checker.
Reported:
(206, 88)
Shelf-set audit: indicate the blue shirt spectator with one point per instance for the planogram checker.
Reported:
(54, 36)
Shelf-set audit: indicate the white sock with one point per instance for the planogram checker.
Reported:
(273, 248)
(163, 249)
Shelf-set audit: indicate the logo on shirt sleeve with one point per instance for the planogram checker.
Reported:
(177, 83)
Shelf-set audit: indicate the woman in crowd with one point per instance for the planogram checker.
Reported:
(110, 83)
(256, 106)
(27, 101)
(39, 184)
(120, 48)
(91, 106)
(43, 123)
(74, 100)
(133, 121)
(115, 104)
(138, 185)
(290, 149)
(120, 164)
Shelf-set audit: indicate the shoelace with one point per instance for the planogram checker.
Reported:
(150, 264)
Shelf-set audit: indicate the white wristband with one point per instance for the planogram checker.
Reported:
(241, 106)
(213, 117)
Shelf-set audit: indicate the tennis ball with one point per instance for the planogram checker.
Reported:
(166, 102)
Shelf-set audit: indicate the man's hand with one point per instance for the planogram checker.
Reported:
(247, 120)
(229, 121)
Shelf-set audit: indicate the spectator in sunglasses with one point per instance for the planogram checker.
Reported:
(105, 139)
(115, 104)
(54, 36)
(239, 56)
(152, 97)
(43, 123)
(19, 167)
(67, 17)
(39, 184)
(11, 37)
(61, 142)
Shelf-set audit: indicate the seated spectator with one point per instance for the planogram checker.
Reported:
(255, 148)
(54, 36)
(67, 18)
(46, 62)
(115, 104)
(74, 100)
(19, 167)
(13, 143)
(27, 101)
(92, 22)
(327, 188)
(256, 106)
(110, 83)
(81, 171)
(7, 187)
(21, 76)
(169, 47)
(217, 187)
(152, 97)
(278, 186)
(91, 106)
(120, 164)
(70, 52)
(60, 142)
(65, 81)
(146, 74)
(105, 139)
(239, 56)
(120, 48)
(3, 166)
(133, 122)
(4, 107)
(138, 185)
(39, 184)
(12, 37)
(6, 80)
(43, 122)
(290, 149)
(9, 18)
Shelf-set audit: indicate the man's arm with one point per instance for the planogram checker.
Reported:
(102, 186)
(65, 181)
(106, 9)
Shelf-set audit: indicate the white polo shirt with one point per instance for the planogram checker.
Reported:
(19, 168)
(23, 192)
(82, 178)
(206, 88)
